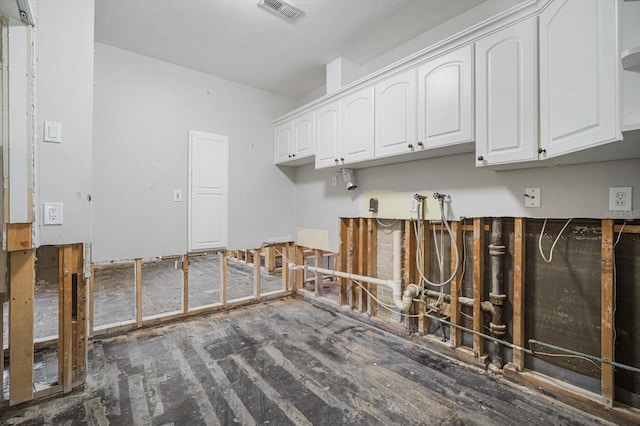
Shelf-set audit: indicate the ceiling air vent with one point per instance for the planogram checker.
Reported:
(282, 8)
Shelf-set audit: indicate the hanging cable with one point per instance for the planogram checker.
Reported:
(554, 243)
(440, 199)
(619, 234)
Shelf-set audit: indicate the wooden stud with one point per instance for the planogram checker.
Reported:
(224, 272)
(138, 270)
(607, 320)
(372, 263)
(456, 283)
(478, 283)
(284, 253)
(410, 247)
(270, 260)
(519, 244)
(81, 320)
(185, 284)
(91, 298)
(362, 263)
(352, 265)
(425, 245)
(61, 308)
(319, 277)
(21, 283)
(2, 296)
(248, 256)
(299, 274)
(628, 229)
(256, 274)
(18, 236)
(342, 260)
(66, 314)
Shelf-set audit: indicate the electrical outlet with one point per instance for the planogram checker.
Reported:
(177, 195)
(532, 197)
(334, 182)
(620, 198)
(52, 214)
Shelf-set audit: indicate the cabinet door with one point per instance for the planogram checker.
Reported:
(303, 136)
(327, 131)
(283, 142)
(445, 99)
(579, 85)
(395, 115)
(357, 126)
(506, 94)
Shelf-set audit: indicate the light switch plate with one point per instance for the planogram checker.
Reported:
(620, 198)
(532, 197)
(52, 214)
(52, 132)
(177, 195)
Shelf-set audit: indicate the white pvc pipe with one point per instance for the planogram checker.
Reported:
(402, 301)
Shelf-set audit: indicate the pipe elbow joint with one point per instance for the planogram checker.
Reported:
(404, 300)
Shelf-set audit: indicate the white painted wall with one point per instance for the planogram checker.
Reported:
(64, 80)
(567, 191)
(143, 111)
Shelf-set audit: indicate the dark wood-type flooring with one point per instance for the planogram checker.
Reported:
(281, 363)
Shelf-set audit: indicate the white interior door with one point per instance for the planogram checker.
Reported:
(208, 191)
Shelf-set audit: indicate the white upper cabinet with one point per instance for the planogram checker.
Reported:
(284, 142)
(445, 99)
(506, 95)
(327, 132)
(357, 126)
(395, 115)
(303, 136)
(579, 84)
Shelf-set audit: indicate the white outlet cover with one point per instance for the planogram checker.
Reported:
(177, 195)
(52, 214)
(532, 197)
(52, 132)
(620, 198)
(334, 182)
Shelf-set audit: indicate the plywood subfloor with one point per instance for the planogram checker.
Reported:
(281, 363)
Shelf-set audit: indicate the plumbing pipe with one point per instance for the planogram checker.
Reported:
(464, 301)
(497, 296)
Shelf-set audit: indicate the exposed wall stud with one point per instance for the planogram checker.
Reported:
(456, 283)
(478, 283)
(372, 263)
(519, 245)
(607, 299)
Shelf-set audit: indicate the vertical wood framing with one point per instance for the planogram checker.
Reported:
(362, 263)
(426, 265)
(607, 298)
(518, 290)
(478, 283)
(224, 272)
(2, 298)
(91, 295)
(18, 236)
(456, 283)
(318, 254)
(270, 259)
(256, 274)
(139, 292)
(66, 314)
(352, 265)
(81, 319)
(372, 263)
(298, 274)
(284, 254)
(410, 265)
(21, 282)
(342, 260)
(185, 283)
(248, 256)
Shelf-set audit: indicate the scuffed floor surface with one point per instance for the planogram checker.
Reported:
(282, 363)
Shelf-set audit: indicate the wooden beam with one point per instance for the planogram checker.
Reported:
(299, 274)
(79, 373)
(519, 244)
(185, 283)
(2, 298)
(18, 236)
(607, 320)
(628, 229)
(342, 260)
(67, 319)
(352, 266)
(90, 303)
(372, 263)
(410, 246)
(138, 270)
(319, 277)
(224, 272)
(362, 263)
(21, 284)
(425, 243)
(270, 259)
(478, 283)
(256, 274)
(456, 283)
(284, 253)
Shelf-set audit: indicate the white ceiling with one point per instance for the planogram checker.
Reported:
(239, 41)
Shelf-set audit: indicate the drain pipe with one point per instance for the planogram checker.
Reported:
(497, 296)
(402, 300)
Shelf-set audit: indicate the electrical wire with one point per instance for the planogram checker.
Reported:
(620, 234)
(554, 243)
(387, 226)
(455, 247)
(534, 352)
